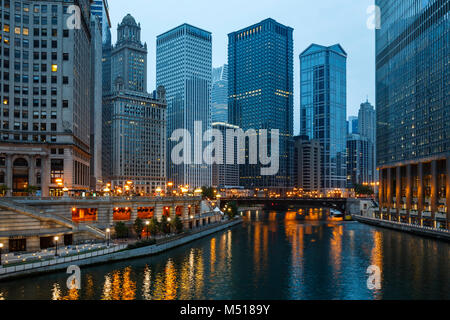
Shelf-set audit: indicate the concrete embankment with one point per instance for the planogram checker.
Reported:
(122, 255)
(417, 230)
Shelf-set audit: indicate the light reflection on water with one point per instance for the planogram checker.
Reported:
(300, 254)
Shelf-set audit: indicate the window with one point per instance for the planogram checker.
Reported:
(54, 67)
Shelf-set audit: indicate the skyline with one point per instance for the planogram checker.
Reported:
(352, 35)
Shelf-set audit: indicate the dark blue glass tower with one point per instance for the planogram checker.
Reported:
(323, 108)
(413, 111)
(260, 62)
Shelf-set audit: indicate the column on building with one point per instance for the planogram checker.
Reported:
(9, 175)
(45, 176)
(398, 190)
(408, 191)
(420, 191)
(448, 192)
(434, 191)
(32, 172)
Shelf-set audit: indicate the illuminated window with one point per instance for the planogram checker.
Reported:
(17, 30)
(54, 67)
(25, 31)
(6, 28)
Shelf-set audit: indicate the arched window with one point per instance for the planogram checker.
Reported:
(20, 162)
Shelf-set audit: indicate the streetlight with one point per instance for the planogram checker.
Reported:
(147, 223)
(108, 233)
(1, 247)
(56, 245)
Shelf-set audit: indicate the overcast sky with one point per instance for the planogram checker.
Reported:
(324, 22)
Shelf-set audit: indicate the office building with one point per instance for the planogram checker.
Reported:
(46, 98)
(184, 67)
(307, 164)
(260, 79)
(367, 128)
(225, 175)
(412, 81)
(134, 122)
(359, 153)
(352, 125)
(219, 94)
(323, 108)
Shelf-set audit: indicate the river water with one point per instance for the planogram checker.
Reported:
(271, 256)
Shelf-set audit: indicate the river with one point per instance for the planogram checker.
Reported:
(301, 255)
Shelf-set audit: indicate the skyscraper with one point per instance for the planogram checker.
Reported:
(45, 95)
(412, 81)
(323, 108)
(367, 128)
(260, 62)
(225, 175)
(129, 56)
(219, 95)
(134, 122)
(359, 153)
(307, 166)
(353, 125)
(184, 67)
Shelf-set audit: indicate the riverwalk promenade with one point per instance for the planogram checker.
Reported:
(101, 253)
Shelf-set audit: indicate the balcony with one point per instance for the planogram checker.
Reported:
(384, 210)
(442, 201)
(414, 213)
(441, 216)
(426, 214)
(403, 212)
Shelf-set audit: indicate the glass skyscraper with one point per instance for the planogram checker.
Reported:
(413, 111)
(219, 94)
(184, 68)
(260, 65)
(323, 108)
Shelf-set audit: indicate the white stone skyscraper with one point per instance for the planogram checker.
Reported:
(184, 67)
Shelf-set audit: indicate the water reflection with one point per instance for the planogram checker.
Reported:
(301, 254)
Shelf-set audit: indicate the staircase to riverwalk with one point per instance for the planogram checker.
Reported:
(50, 217)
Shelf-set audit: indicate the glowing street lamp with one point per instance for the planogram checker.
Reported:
(56, 245)
(108, 234)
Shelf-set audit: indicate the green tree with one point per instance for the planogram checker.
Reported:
(154, 227)
(208, 192)
(164, 225)
(231, 209)
(121, 230)
(177, 225)
(31, 190)
(3, 190)
(363, 190)
(138, 227)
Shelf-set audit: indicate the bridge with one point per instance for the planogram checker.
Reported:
(339, 204)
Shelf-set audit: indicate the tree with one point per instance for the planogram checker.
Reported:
(231, 209)
(208, 192)
(177, 225)
(121, 230)
(165, 226)
(138, 227)
(3, 190)
(154, 226)
(363, 190)
(31, 189)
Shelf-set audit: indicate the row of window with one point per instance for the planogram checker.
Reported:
(36, 103)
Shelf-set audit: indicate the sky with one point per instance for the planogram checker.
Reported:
(325, 22)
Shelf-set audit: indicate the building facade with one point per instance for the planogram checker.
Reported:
(134, 122)
(307, 164)
(412, 81)
(359, 154)
(323, 108)
(260, 65)
(225, 175)
(219, 94)
(45, 95)
(352, 125)
(184, 67)
(367, 120)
